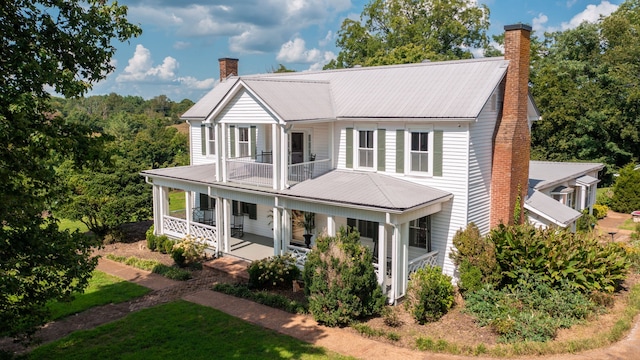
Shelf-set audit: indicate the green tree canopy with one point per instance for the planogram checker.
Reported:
(410, 31)
(65, 46)
(626, 190)
(588, 91)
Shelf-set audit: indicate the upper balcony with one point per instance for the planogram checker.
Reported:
(260, 171)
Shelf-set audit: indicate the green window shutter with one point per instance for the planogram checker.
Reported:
(203, 138)
(381, 149)
(400, 151)
(437, 153)
(232, 141)
(253, 142)
(349, 154)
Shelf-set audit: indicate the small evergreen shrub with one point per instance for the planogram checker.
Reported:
(430, 294)
(470, 277)
(600, 211)
(390, 317)
(167, 245)
(626, 190)
(479, 253)
(604, 197)
(340, 280)
(177, 254)
(152, 239)
(273, 272)
(586, 222)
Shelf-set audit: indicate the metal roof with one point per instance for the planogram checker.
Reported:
(438, 90)
(367, 189)
(294, 99)
(587, 180)
(359, 189)
(543, 174)
(551, 209)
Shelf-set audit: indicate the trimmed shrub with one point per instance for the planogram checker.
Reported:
(477, 253)
(340, 280)
(470, 277)
(586, 222)
(274, 272)
(626, 190)
(152, 239)
(177, 254)
(600, 211)
(167, 246)
(430, 294)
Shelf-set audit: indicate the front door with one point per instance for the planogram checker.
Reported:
(297, 147)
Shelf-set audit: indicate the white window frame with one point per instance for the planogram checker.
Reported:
(408, 152)
(373, 149)
(211, 140)
(240, 142)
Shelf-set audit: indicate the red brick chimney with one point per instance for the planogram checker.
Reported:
(511, 142)
(228, 67)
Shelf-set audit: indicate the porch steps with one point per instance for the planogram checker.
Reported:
(231, 265)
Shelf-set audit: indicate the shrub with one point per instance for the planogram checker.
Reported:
(600, 211)
(167, 245)
(262, 297)
(478, 253)
(187, 251)
(470, 277)
(152, 239)
(604, 197)
(340, 280)
(586, 222)
(626, 190)
(274, 272)
(430, 294)
(557, 256)
(390, 317)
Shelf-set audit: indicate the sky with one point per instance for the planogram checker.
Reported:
(182, 40)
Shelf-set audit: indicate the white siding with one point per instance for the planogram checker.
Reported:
(480, 159)
(245, 109)
(195, 141)
(261, 225)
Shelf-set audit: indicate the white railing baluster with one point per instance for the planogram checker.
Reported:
(428, 259)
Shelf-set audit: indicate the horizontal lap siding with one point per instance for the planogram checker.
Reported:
(480, 158)
(245, 109)
(195, 142)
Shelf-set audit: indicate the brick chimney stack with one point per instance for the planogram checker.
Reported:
(512, 141)
(228, 67)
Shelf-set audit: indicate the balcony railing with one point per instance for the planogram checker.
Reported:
(250, 171)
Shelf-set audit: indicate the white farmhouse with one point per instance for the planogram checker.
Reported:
(407, 154)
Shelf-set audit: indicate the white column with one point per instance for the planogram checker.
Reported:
(223, 153)
(286, 227)
(275, 159)
(219, 209)
(404, 253)
(284, 158)
(157, 214)
(395, 266)
(331, 225)
(188, 197)
(226, 224)
(382, 255)
(164, 205)
(278, 247)
(219, 151)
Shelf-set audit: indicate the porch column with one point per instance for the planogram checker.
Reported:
(157, 213)
(188, 200)
(395, 266)
(275, 159)
(220, 230)
(284, 158)
(226, 224)
(404, 256)
(331, 225)
(219, 151)
(223, 154)
(286, 227)
(278, 247)
(164, 206)
(382, 254)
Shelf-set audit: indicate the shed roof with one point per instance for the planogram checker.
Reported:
(544, 174)
(550, 209)
(437, 90)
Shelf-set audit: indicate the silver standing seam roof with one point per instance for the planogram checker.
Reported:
(444, 90)
(355, 188)
(551, 209)
(544, 174)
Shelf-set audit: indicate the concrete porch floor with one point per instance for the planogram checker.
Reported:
(251, 247)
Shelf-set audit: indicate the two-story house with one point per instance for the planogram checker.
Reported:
(407, 154)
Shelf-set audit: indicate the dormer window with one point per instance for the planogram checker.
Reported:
(564, 195)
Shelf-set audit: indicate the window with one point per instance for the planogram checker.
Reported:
(365, 148)
(243, 142)
(420, 233)
(420, 152)
(211, 141)
(243, 208)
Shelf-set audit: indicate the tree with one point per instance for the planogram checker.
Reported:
(409, 31)
(65, 46)
(626, 190)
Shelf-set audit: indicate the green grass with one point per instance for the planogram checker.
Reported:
(154, 266)
(180, 330)
(628, 225)
(176, 201)
(72, 225)
(103, 289)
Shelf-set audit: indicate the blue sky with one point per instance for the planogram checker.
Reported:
(177, 54)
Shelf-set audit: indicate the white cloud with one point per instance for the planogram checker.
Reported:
(295, 51)
(591, 13)
(140, 70)
(181, 45)
(539, 24)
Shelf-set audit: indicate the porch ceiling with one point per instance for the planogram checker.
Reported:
(337, 187)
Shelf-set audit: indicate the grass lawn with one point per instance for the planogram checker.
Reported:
(628, 225)
(176, 201)
(103, 289)
(72, 225)
(180, 330)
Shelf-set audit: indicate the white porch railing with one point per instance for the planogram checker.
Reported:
(428, 259)
(177, 228)
(247, 170)
(299, 253)
(308, 170)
